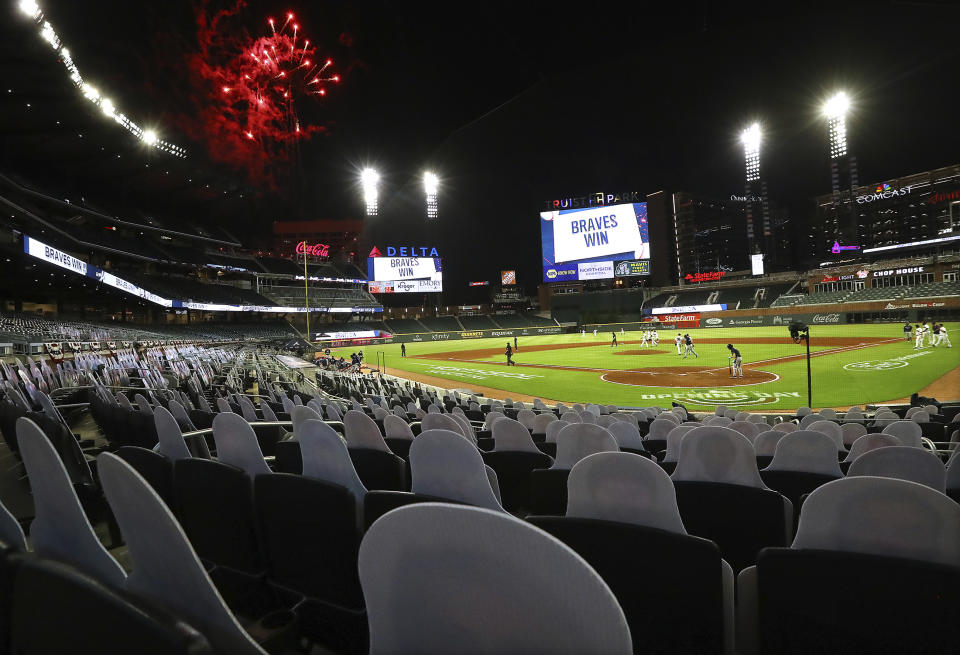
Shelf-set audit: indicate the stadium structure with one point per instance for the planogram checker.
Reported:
(716, 427)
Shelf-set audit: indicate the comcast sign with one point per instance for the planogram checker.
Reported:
(883, 192)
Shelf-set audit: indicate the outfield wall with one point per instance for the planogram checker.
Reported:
(459, 335)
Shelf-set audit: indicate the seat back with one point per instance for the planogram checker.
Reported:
(154, 467)
(717, 454)
(214, 504)
(311, 535)
(166, 569)
(325, 457)
(869, 442)
(396, 427)
(674, 438)
(363, 432)
(57, 608)
(904, 463)
(61, 530)
(553, 429)
(237, 444)
(511, 435)
(170, 438)
(908, 432)
(579, 440)
(416, 562)
(852, 432)
(627, 435)
(806, 451)
(447, 467)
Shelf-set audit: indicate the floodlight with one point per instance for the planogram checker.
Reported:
(837, 106)
(369, 179)
(430, 184)
(30, 8)
(750, 137)
(149, 137)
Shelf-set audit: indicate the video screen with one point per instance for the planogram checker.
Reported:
(584, 244)
(405, 274)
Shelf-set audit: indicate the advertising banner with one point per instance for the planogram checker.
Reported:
(598, 232)
(407, 286)
(834, 318)
(631, 267)
(595, 270)
(406, 268)
(687, 309)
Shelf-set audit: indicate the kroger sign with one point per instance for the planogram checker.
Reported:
(883, 192)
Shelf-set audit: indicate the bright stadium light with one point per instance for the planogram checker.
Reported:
(30, 8)
(149, 137)
(835, 109)
(430, 184)
(750, 137)
(369, 179)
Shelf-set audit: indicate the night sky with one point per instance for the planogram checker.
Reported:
(512, 105)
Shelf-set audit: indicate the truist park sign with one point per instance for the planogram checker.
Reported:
(883, 192)
(598, 199)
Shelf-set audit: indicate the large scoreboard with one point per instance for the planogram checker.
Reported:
(405, 269)
(595, 243)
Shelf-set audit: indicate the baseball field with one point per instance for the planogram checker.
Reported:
(850, 365)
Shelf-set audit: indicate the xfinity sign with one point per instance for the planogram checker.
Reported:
(883, 192)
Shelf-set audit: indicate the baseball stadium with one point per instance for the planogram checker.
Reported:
(390, 329)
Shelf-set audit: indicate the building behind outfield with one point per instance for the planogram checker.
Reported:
(892, 217)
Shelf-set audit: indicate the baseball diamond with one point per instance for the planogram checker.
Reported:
(850, 365)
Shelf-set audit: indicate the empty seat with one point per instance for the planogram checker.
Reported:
(908, 432)
(852, 432)
(723, 498)
(419, 564)
(61, 530)
(548, 487)
(622, 517)
(898, 545)
(58, 609)
(746, 428)
(674, 440)
(237, 444)
(166, 570)
(786, 427)
(766, 445)
(444, 465)
(904, 463)
(627, 436)
(802, 461)
(831, 429)
(377, 466)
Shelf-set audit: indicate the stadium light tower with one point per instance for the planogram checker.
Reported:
(840, 226)
(750, 138)
(369, 179)
(835, 109)
(430, 184)
(755, 192)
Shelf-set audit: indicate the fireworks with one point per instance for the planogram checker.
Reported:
(255, 97)
(272, 74)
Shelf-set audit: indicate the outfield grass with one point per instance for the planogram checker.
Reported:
(850, 376)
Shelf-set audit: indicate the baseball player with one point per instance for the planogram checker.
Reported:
(689, 343)
(943, 339)
(594, 331)
(918, 331)
(614, 342)
(643, 339)
(678, 341)
(736, 363)
(927, 333)
(907, 329)
(655, 338)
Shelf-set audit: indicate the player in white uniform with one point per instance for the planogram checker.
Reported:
(678, 340)
(643, 339)
(918, 332)
(927, 333)
(942, 338)
(655, 338)
(594, 331)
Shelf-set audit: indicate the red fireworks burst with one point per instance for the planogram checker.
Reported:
(250, 91)
(273, 72)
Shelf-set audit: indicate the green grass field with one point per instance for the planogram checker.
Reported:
(849, 373)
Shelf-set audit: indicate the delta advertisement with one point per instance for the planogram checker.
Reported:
(406, 269)
(51, 255)
(583, 244)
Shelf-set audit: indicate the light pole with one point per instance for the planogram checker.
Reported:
(843, 165)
